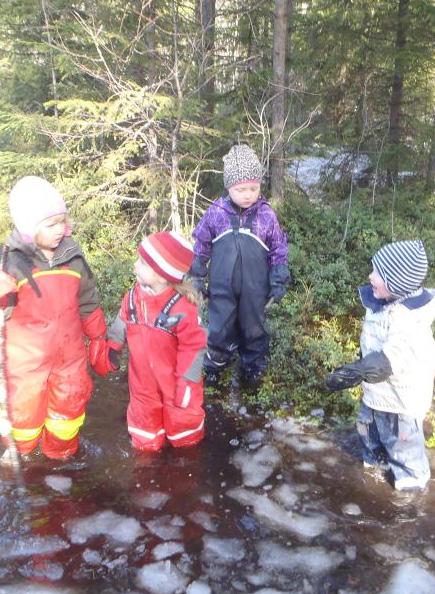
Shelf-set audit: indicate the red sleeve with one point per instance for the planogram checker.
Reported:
(192, 341)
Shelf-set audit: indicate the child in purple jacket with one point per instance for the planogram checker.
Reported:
(241, 248)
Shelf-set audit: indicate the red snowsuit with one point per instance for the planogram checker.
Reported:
(46, 362)
(166, 348)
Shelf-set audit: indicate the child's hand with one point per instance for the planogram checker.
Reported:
(104, 355)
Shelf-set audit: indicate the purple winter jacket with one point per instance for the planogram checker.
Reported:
(265, 225)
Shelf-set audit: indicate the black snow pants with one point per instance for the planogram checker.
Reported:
(238, 291)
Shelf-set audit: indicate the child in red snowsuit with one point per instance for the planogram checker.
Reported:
(51, 305)
(159, 321)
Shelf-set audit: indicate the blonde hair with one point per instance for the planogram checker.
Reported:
(187, 289)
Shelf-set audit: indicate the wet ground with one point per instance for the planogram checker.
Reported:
(265, 505)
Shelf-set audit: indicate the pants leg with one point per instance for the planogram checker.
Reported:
(403, 439)
(69, 390)
(27, 398)
(145, 417)
(223, 335)
(373, 450)
(254, 338)
(184, 426)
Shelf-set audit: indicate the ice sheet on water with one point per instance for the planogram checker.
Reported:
(309, 560)
(166, 527)
(305, 527)
(288, 426)
(161, 578)
(410, 578)
(285, 495)
(42, 570)
(390, 552)
(222, 551)
(204, 520)
(91, 557)
(207, 498)
(117, 527)
(255, 436)
(306, 467)
(29, 588)
(303, 443)
(26, 546)
(351, 509)
(271, 591)
(153, 500)
(198, 587)
(429, 552)
(256, 467)
(167, 549)
(58, 483)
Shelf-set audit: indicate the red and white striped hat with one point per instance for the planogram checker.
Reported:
(168, 254)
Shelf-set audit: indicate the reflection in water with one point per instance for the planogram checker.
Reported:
(262, 506)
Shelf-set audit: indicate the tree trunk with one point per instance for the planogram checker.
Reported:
(430, 170)
(397, 91)
(279, 103)
(206, 13)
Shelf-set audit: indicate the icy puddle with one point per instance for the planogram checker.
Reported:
(263, 506)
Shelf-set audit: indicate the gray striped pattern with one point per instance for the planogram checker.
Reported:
(402, 266)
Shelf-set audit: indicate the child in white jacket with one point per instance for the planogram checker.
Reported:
(397, 367)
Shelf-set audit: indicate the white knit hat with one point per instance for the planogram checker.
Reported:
(31, 201)
(402, 266)
(241, 165)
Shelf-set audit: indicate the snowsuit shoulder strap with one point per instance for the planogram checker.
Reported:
(163, 321)
(132, 312)
(24, 264)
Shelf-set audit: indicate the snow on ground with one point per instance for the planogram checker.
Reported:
(118, 528)
(309, 170)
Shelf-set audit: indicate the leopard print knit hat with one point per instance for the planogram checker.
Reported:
(241, 165)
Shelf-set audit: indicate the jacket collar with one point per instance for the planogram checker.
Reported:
(66, 250)
(417, 299)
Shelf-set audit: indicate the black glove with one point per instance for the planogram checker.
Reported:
(279, 278)
(373, 368)
(276, 294)
(198, 276)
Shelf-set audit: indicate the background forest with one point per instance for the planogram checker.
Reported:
(129, 106)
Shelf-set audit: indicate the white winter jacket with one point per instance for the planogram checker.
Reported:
(402, 330)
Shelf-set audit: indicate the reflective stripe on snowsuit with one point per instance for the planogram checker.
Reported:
(239, 286)
(48, 382)
(158, 357)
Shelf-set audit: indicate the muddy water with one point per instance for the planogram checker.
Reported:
(265, 505)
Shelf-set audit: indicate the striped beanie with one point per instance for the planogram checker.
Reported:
(402, 266)
(31, 201)
(168, 254)
(241, 165)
